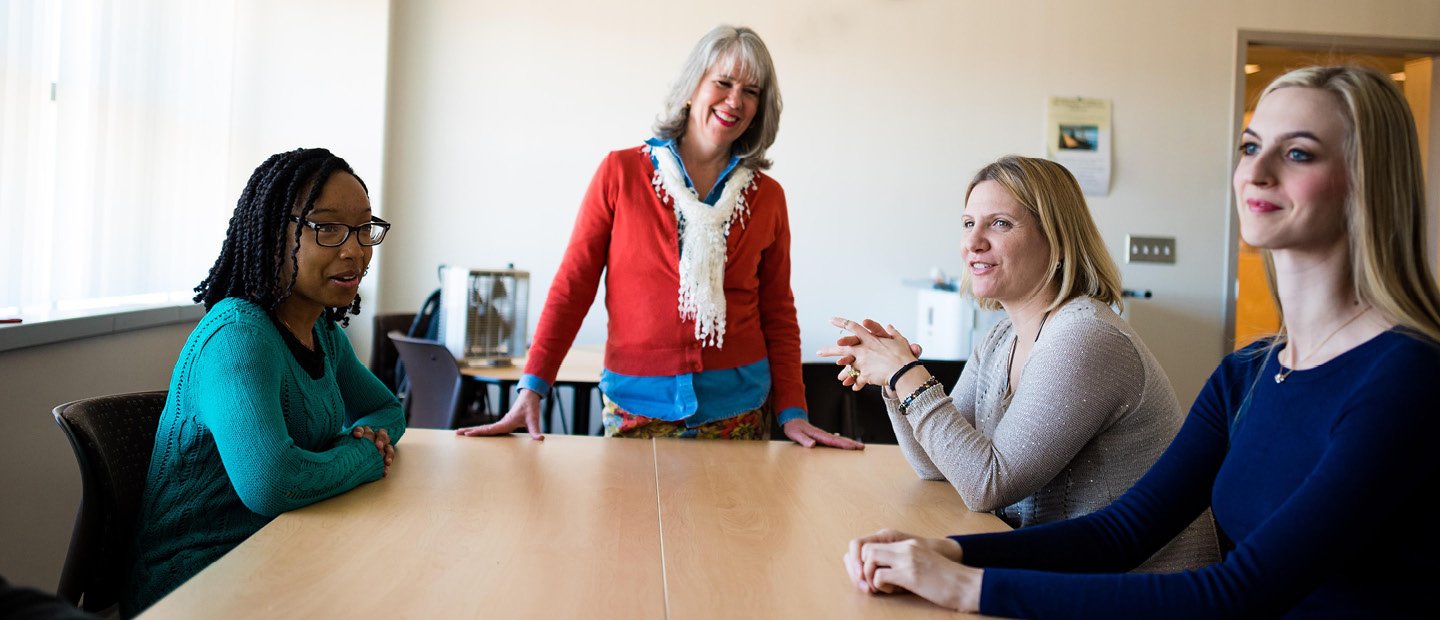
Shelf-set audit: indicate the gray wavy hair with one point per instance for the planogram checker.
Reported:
(744, 50)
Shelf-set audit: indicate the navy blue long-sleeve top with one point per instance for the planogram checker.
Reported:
(1318, 482)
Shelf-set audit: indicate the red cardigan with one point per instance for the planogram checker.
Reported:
(625, 231)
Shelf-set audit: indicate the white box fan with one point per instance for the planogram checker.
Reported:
(483, 314)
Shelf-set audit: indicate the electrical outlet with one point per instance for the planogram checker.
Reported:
(1150, 249)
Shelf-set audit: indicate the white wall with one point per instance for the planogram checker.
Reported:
(306, 74)
(312, 74)
(39, 480)
(500, 111)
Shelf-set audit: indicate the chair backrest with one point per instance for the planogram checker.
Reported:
(831, 405)
(858, 415)
(435, 382)
(383, 355)
(869, 405)
(426, 323)
(113, 437)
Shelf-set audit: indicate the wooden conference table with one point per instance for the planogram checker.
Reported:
(580, 370)
(572, 527)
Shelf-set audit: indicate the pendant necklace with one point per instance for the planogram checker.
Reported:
(1285, 372)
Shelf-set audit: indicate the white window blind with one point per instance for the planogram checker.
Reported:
(114, 139)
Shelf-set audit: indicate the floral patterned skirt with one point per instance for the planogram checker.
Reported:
(753, 424)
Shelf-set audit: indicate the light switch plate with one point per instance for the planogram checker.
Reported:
(1149, 249)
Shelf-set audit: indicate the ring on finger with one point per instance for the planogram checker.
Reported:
(854, 373)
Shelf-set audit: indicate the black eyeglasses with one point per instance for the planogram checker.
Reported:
(335, 234)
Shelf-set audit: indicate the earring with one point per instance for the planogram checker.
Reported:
(687, 103)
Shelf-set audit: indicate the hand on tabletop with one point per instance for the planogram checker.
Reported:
(381, 439)
(890, 561)
(944, 546)
(808, 435)
(872, 353)
(525, 412)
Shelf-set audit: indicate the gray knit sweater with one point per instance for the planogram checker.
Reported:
(1092, 412)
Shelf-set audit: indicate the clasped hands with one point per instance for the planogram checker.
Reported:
(872, 353)
(892, 561)
(381, 439)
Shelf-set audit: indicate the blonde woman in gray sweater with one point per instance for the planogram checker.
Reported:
(1061, 408)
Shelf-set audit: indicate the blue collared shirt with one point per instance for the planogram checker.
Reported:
(697, 398)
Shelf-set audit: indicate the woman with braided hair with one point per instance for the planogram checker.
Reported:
(269, 410)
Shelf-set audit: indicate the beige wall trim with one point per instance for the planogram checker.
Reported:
(99, 324)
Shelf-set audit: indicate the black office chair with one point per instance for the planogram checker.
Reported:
(439, 397)
(831, 405)
(113, 437)
(857, 415)
(383, 354)
(870, 415)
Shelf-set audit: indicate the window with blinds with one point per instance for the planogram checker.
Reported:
(114, 133)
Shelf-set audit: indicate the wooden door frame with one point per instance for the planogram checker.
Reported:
(1347, 44)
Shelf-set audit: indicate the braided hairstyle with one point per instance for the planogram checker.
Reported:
(250, 261)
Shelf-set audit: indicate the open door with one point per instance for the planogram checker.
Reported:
(1262, 57)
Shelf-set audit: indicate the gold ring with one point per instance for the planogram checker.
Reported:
(854, 373)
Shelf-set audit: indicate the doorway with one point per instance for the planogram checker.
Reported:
(1263, 56)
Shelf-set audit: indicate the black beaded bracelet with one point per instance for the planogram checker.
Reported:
(929, 383)
(895, 378)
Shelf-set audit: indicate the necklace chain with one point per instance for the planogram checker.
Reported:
(1285, 372)
(1016, 341)
(293, 333)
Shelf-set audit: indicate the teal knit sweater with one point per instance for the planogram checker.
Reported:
(247, 434)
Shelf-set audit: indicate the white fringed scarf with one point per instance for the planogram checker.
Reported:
(703, 231)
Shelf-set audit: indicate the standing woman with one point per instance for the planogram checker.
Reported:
(694, 242)
(269, 410)
(1302, 443)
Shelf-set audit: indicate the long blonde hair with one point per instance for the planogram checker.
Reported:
(1386, 204)
(1050, 193)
